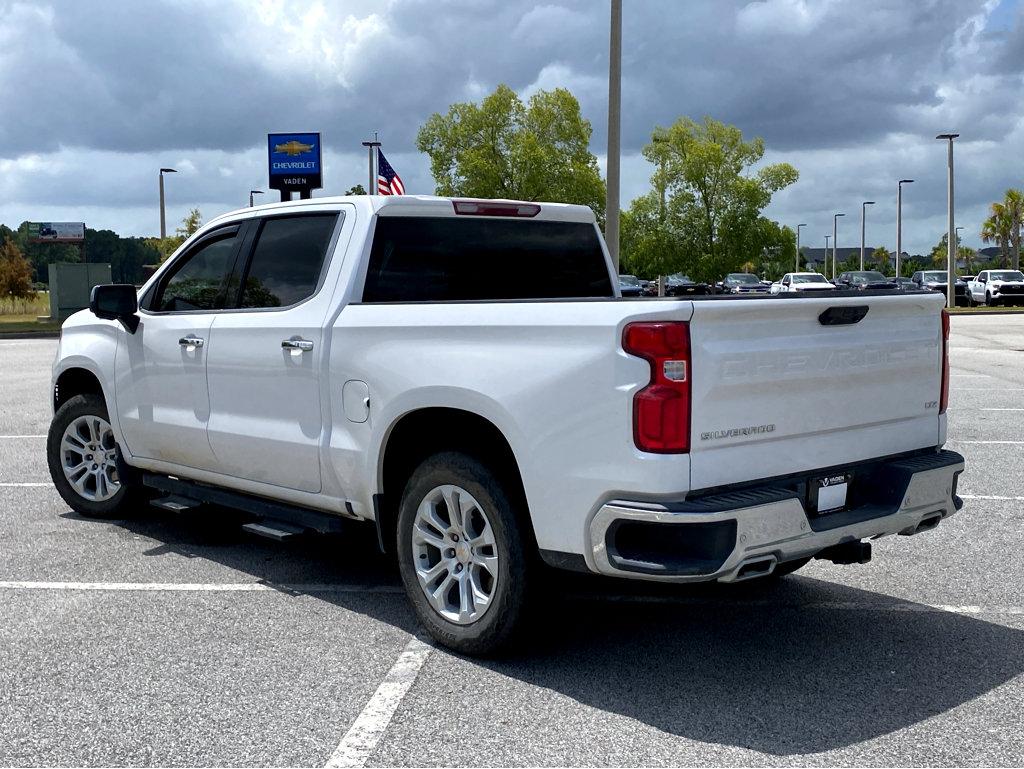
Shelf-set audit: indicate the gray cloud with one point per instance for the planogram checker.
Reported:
(97, 95)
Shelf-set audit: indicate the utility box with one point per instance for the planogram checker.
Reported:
(71, 284)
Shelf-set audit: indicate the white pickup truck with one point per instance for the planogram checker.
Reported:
(465, 375)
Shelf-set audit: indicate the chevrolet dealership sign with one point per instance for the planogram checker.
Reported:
(294, 162)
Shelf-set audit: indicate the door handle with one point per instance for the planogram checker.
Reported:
(297, 344)
(191, 341)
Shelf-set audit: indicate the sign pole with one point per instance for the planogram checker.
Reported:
(371, 189)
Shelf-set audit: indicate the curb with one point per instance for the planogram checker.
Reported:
(29, 335)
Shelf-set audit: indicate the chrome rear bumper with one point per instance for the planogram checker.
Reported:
(741, 534)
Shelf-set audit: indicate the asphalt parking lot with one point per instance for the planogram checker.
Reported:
(182, 641)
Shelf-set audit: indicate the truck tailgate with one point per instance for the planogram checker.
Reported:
(775, 391)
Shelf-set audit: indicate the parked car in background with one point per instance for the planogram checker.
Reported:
(648, 287)
(801, 281)
(937, 280)
(681, 285)
(741, 283)
(995, 287)
(905, 284)
(629, 285)
(862, 280)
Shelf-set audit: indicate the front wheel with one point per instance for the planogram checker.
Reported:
(461, 554)
(989, 301)
(84, 460)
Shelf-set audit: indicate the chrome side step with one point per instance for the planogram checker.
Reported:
(275, 530)
(175, 503)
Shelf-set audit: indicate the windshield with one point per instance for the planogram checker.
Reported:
(1006, 275)
(871, 276)
(809, 278)
(679, 278)
(742, 277)
(629, 280)
(939, 276)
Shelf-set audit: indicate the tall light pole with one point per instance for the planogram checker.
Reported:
(899, 222)
(163, 215)
(951, 230)
(863, 210)
(251, 193)
(835, 242)
(796, 267)
(956, 231)
(827, 238)
(611, 228)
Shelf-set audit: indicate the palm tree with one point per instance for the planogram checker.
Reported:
(1013, 202)
(997, 229)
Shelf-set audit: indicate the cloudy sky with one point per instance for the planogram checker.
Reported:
(96, 95)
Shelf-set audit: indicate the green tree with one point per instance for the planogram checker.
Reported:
(880, 256)
(1013, 203)
(15, 272)
(996, 229)
(502, 148)
(356, 190)
(712, 167)
(190, 224)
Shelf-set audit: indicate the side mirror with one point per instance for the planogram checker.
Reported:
(116, 301)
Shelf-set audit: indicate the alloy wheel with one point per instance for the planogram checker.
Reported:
(454, 553)
(88, 457)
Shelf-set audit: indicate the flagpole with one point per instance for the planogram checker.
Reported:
(372, 188)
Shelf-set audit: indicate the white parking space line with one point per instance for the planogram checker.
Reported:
(991, 496)
(24, 485)
(366, 731)
(973, 376)
(22, 436)
(200, 587)
(995, 409)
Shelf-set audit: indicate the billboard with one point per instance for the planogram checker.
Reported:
(56, 232)
(293, 162)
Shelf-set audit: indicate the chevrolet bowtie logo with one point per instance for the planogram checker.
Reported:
(293, 148)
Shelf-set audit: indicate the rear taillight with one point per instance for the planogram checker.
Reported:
(661, 410)
(944, 392)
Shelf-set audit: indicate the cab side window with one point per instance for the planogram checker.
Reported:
(287, 260)
(196, 281)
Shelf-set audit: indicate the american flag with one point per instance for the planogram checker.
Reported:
(388, 182)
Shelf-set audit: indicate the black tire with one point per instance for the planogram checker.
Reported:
(117, 506)
(989, 301)
(503, 616)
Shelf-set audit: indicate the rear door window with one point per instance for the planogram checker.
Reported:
(287, 260)
(427, 259)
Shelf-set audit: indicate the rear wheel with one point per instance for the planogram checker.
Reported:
(461, 554)
(85, 462)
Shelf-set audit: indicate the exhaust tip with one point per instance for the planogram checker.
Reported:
(757, 567)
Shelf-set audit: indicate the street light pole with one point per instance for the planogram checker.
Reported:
(611, 229)
(863, 210)
(827, 238)
(835, 242)
(796, 266)
(951, 230)
(251, 193)
(163, 214)
(372, 188)
(899, 222)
